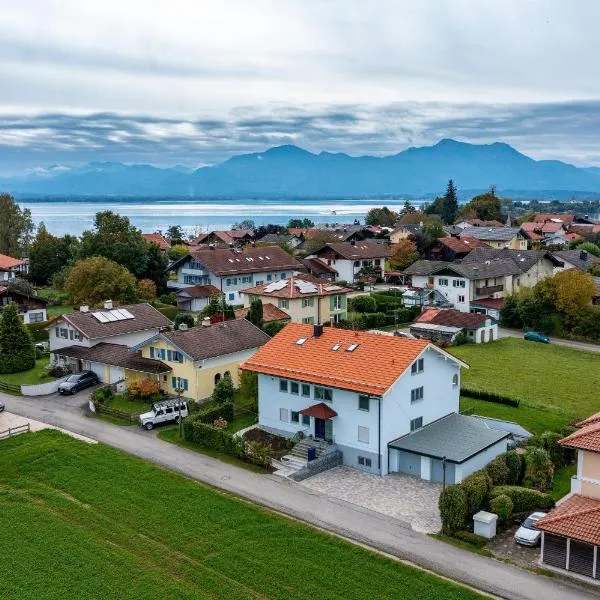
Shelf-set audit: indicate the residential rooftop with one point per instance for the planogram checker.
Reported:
(270, 313)
(298, 286)
(8, 262)
(359, 250)
(452, 318)
(492, 234)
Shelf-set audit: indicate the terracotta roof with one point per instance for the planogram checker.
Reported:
(595, 418)
(481, 223)
(578, 517)
(227, 261)
(493, 303)
(543, 217)
(462, 244)
(145, 317)
(371, 367)
(200, 343)
(116, 355)
(318, 266)
(319, 411)
(158, 239)
(360, 250)
(293, 286)
(270, 313)
(199, 291)
(227, 237)
(572, 236)
(586, 438)
(451, 318)
(8, 262)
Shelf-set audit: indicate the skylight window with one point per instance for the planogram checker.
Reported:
(352, 347)
(336, 347)
(301, 341)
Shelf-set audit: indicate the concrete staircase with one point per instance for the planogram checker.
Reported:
(300, 450)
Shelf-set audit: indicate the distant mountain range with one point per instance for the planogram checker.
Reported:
(292, 171)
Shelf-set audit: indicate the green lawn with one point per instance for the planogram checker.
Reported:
(564, 382)
(59, 309)
(561, 483)
(120, 402)
(36, 375)
(87, 521)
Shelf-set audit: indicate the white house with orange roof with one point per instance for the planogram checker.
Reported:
(389, 404)
(11, 267)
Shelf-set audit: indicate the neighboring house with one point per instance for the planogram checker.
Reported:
(96, 340)
(485, 273)
(571, 531)
(11, 267)
(317, 268)
(293, 241)
(437, 324)
(304, 298)
(231, 269)
(466, 223)
(497, 237)
(454, 248)
(575, 259)
(32, 309)
(565, 219)
(196, 297)
(271, 314)
(225, 239)
(158, 240)
(350, 258)
(403, 232)
(199, 357)
(369, 395)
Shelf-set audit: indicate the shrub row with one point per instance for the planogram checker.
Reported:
(523, 499)
(39, 331)
(489, 397)
(471, 538)
(210, 415)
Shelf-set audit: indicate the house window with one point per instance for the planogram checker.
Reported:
(231, 297)
(269, 276)
(306, 390)
(283, 385)
(442, 281)
(259, 282)
(337, 302)
(416, 423)
(284, 415)
(322, 393)
(295, 417)
(177, 356)
(416, 394)
(357, 263)
(363, 434)
(36, 317)
(57, 330)
(306, 420)
(283, 303)
(417, 366)
(282, 275)
(151, 352)
(308, 320)
(458, 283)
(306, 302)
(455, 379)
(378, 262)
(363, 403)
(179, 383)
(363, 461)
(461, 298)
(294, 387)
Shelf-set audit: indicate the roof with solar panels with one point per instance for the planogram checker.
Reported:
(100, 323)
(298, 286)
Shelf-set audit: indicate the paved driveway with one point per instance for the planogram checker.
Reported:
(406, 498)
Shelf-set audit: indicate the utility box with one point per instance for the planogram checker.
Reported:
(484, 524)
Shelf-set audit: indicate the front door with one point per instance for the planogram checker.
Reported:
(319, 428)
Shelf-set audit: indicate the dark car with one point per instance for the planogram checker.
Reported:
(78, 381)
(536, 336)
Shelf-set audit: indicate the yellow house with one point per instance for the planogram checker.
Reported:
(201, 356)
(497, 237)
(304, 298)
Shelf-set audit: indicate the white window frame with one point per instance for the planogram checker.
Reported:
(417, 394)
(364, 434)
(284, 415)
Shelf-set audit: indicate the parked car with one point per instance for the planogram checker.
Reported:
(77, 382)
(1, 406)
(166, 411)
(527, 534)
(536, 336)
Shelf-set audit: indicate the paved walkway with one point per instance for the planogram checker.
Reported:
(353, 522)
(406, 498)
(9, 421)
(514, 333)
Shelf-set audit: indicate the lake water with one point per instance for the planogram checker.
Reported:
(150, 215)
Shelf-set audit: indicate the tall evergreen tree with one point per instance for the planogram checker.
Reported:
(16, 346)
(255, 313)
(450, 204)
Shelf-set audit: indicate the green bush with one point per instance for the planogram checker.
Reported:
(497, 470)
(549, 440)
(170, 298)
(258, 454)
(185, 319)
(514, 464)
(103, 394)
(476, 487)
(16, 345)
(471, 538)
(502, 505)
(454, 508)
(523, 499)
(224, 390)
(362, 304)
(39, 331)
(273, 327)
(489, 397)
(539, 469)
(210, 415)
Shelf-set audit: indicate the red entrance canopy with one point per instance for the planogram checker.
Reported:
(319, 411)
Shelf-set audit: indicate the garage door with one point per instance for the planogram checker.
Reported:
(98, 369)
(437, 471)
(116, 374)
(555, 551)
(409, 463)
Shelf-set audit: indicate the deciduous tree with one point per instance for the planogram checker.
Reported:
(49, 254)
(16, 346)
(487, 207)
(177, 251)
(16, 227)
(404, 253)
(383, 217)
(146, 289)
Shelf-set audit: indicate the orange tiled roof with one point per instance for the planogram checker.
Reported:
(595, 418)
(371, 368)
(578, 517)
(158, 239)
(543, 217)
(462, 244)
(586, 438)
(270, 313)
(8, 262)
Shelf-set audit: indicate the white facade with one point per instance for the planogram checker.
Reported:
(34, 315)
(454, 288)
(348, 270)
(477, 462)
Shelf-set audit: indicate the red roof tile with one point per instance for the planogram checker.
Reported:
(578, 517)
(8, 262)
(595, 418)
(371, 367)
(462, 244)
(319, 411)
(158, 239)
(451, 318)
(586, 438)
(199, 291)
(270, 313)
(493, 303)
(543, 217)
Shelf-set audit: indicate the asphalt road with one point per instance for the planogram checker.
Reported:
(355, 523)
(514, 333)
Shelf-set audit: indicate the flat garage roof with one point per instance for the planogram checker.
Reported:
(455, 437)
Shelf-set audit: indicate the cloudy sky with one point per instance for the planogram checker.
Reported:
(195, 81)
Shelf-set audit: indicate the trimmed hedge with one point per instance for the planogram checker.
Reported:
(489, 397)
(523, 499)
(210, 415)
(454, 508)
(497, 470)
(514, 464)
(476, 487)
(471, 538)
(210, 437)
(502, 505)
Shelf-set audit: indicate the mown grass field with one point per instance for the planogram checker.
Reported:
(38, 374)
(555, 384)
(87, 521)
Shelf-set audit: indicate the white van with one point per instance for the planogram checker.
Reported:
(164, 412)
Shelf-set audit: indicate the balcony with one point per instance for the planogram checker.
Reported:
(192, 271)
(488, 290)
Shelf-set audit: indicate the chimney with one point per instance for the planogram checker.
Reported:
(184, 327)
(108, 305)
(353, 242)
(206, 322)
(583, 255)
(84, 308)
(317, 330)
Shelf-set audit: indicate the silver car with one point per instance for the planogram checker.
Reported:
(527, 534)
(1, 406)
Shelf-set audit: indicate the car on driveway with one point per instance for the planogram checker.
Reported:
(77, 382)
(527, 534)
(536, 336)
(166, 411)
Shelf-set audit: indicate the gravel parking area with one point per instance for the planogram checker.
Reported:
(504, 546)
(406, 498)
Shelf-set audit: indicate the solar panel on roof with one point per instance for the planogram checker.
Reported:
(127, 313)
(110, 316)
(100, 317)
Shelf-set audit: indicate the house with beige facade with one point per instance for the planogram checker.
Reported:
(304, 298)
(497, 237)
